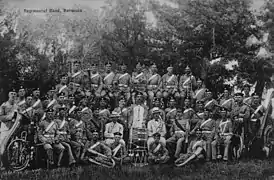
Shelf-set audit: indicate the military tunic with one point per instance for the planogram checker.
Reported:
(187, 81)
(170, 83)
(139, 80)
(158, 153)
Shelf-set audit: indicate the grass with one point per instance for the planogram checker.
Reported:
(254, 169)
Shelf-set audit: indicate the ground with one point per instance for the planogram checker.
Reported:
(255, 169)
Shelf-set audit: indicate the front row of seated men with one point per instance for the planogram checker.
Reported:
(73, 136)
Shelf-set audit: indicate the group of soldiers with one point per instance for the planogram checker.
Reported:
(89, 113)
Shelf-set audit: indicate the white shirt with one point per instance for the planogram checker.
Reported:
(138, 116)
(112, 128)
(156, 126)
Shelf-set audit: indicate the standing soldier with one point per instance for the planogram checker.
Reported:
(187, 83)
(187, 79)
(195, 121)
(154, 84)
(158, 153)
(208, 129)
(108, 78)
(7, 113)
(64, 133)
(170, 85)
(77, 74)
(224, 132)
(95, 80)
(257, 111)
(96, 122)
(139, 82)
(200, 92)
(247, 98)
(240, 115)
(123, 82)
(62, 87)
(48, 136)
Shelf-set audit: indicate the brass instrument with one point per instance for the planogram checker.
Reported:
(101, 159)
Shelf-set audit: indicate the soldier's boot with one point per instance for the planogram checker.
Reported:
(219, 156)
(50, 160)
(60, 156)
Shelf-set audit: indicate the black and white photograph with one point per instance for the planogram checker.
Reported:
(136, 89)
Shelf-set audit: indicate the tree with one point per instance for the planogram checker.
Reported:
(124, 40)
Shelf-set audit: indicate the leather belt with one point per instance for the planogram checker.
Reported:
(62, 132)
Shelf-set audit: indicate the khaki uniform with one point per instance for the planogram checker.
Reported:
(64, 137)
(247, 100)
(98, 147)
(104, 115)
(222, 138)
(48, 135)
(50, 103)
(77, 77)
(170, 116)
(208, 130)
(170, 86)
(179, 131)
(200, 94)
(139, 82)
(154, 86)
(240, 116)
(96, 83)
(21, 103)
(123, 81)
(119, 150)
(62, 88)
(185, 82)
(158, 153)
(78, 136)
(257, 113)
(108, 79)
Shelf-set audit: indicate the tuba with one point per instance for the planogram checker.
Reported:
(101, 159)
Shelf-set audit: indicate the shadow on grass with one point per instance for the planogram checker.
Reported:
(242, 170)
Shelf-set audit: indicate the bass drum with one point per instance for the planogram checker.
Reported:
(18, 155)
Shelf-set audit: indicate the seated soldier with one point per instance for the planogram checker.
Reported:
(113, 127)
(156, 125)
(196, 150)
(95, 147)
(63, 132)
(158, 153)
(78, 135)
(119, 151)
(47, 135)
(179, 131)
(222, 137)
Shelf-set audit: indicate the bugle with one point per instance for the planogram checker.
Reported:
(101, 160)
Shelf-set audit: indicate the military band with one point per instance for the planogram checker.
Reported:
(92, 116)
